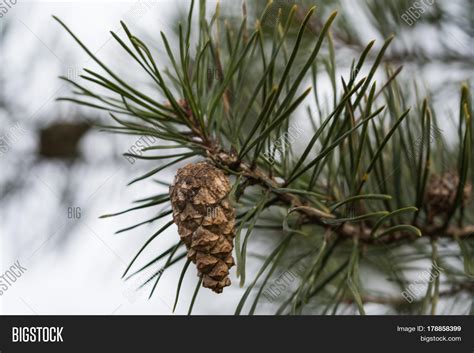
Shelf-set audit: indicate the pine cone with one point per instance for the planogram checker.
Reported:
(441, 194)
(205, 220)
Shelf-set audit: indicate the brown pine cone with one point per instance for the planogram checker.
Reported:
(441, 194)
(205, 220)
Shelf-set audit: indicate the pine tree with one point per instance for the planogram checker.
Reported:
(374, 189)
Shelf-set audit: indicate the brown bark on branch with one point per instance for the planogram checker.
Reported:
(315, 216)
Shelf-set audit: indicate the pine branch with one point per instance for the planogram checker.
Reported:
(349, 231)
(337, 197)
(400, 301)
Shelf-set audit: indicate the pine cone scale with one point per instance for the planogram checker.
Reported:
(441, 194)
